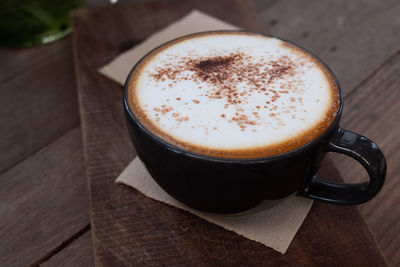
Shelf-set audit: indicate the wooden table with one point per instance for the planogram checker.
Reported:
(43, 211)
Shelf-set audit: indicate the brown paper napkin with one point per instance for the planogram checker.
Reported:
(274, 227)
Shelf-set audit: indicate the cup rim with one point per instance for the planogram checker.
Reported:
(188, 153)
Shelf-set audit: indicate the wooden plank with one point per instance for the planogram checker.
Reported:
(260, 5)
(353, 38)
(43, 201)
(374, 110)
(15, 61)
(38, 99)
(130, 229)
(78, 253)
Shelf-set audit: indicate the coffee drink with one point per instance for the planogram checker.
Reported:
(233, 95)
(226, 120)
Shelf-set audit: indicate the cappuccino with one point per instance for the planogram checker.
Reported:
(233, 95)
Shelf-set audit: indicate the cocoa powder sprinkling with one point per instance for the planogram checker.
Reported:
(164, 109)
(227, 75)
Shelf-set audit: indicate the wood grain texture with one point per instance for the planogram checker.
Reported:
(260, 5)
(373, 110)
(130, 229)
(352, 37)
(38, 99)
(43, 201)
(15, 61)
(78, 254)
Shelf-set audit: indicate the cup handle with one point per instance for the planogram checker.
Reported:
(365, 152)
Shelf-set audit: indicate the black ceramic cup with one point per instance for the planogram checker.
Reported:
(222, 185)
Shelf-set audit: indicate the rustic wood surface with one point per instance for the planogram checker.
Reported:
(39, 149)
(38, 92)
(374, 109)
(43, 201)
(78, 254)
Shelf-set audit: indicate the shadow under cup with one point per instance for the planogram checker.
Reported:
(231, 185)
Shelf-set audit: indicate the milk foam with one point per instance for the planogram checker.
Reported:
(281, 92)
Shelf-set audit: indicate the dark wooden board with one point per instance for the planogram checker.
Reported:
(78, 254)
(374, 109)
(32, 100)
(129, 228)
(43, 201)
(38, 92)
